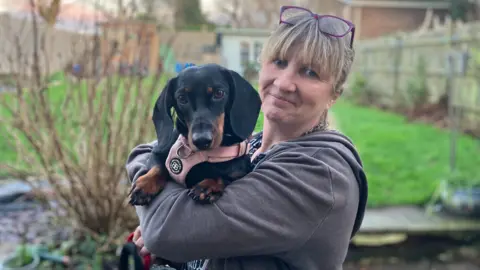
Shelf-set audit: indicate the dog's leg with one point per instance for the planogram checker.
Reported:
(207, 191)
(147, 186)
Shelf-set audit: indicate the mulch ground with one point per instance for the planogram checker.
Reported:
(416, 266)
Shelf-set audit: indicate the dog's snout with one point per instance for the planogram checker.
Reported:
(202, 140)
(202, 134)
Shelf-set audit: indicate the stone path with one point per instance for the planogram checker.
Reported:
(414, 220)
(5, 249)
(417, 266)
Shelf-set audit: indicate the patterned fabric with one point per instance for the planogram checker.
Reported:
(195, 265)
(255, 143)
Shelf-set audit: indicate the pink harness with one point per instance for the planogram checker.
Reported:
(182, 158)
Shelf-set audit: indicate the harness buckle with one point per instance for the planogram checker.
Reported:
(183, 155)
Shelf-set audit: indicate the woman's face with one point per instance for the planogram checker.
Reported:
(292, 93)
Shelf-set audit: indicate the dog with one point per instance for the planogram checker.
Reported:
(205, 147)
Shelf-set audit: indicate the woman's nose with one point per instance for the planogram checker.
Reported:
(285, 80)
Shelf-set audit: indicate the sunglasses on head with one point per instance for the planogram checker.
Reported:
(330, 25)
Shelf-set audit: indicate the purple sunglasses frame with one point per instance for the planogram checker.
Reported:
(318, 16)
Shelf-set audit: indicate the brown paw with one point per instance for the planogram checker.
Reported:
(207, 191)
(146, 187)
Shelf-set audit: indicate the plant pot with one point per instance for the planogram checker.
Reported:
(31, 266)
(461, 200)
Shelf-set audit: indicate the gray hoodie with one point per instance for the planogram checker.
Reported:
(298, 209)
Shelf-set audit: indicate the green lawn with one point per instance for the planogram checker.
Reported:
(404, 161)
(66, 116)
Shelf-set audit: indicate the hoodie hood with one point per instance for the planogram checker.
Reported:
(346, 149)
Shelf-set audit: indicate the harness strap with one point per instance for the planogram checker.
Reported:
(182, 158)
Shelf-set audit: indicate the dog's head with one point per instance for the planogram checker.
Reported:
(214, 106)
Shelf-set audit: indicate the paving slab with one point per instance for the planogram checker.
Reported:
(6, 249)
(416, 266)
(412, 219)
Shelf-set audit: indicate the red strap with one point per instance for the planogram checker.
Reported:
(147, 259)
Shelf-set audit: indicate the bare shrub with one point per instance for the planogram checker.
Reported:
(77, 133)
(417, 86)
(361, 91)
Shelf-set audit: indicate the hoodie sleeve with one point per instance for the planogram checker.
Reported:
(273, 209)
(137, 160)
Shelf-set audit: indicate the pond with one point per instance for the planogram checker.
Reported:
(22, 217)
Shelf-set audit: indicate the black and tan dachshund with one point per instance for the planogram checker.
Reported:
(204, 147)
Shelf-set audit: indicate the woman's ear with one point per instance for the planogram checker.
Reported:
(331, 103)
(336, 93)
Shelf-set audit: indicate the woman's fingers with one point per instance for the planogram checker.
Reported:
(137, 234)
(138, 240)
(144, 251)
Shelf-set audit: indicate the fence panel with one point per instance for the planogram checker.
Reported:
(390, 63)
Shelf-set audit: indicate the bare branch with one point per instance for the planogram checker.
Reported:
(250, 13)
(76, 130)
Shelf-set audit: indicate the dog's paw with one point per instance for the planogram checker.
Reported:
(147, 187)
(207, 191)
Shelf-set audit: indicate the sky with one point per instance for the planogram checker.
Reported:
(206, 5)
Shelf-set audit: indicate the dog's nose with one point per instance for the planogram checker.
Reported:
(202, 140)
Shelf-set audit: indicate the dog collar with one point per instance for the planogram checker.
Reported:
(182, 158)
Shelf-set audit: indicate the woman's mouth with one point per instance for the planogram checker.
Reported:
(282, 100)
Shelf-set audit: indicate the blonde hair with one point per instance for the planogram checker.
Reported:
(330, 56)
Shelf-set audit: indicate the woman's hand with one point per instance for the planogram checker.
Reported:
(138, 240)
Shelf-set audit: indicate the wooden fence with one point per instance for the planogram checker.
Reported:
(56, 48)
(389, 63)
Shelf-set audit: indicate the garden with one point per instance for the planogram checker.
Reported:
(66, 139)
(417, 132)
(76, 129)
(66, 142)
(405, 162)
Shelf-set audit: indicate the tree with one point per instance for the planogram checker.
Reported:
(48, 11)
(73, 131)
(188, 13)
(459, 9)
(264, 14)
(251, 13)
(148, 11)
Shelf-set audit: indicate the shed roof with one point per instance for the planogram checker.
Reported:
(424, 4)
(244, 31)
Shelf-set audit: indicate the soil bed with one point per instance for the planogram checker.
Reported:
(417, 253)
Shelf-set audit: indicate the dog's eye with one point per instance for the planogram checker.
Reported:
(182, 99)
(218, 94)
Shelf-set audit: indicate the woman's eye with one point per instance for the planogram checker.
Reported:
(182, 99)
(219, 94)
(310, 73)
(280, 63)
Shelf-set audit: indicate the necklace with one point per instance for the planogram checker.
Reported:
(255, 145)
(321, 126)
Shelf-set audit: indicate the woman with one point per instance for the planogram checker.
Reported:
(305, 198)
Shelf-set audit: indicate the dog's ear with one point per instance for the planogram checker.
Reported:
(162, 115)
(245, 105)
